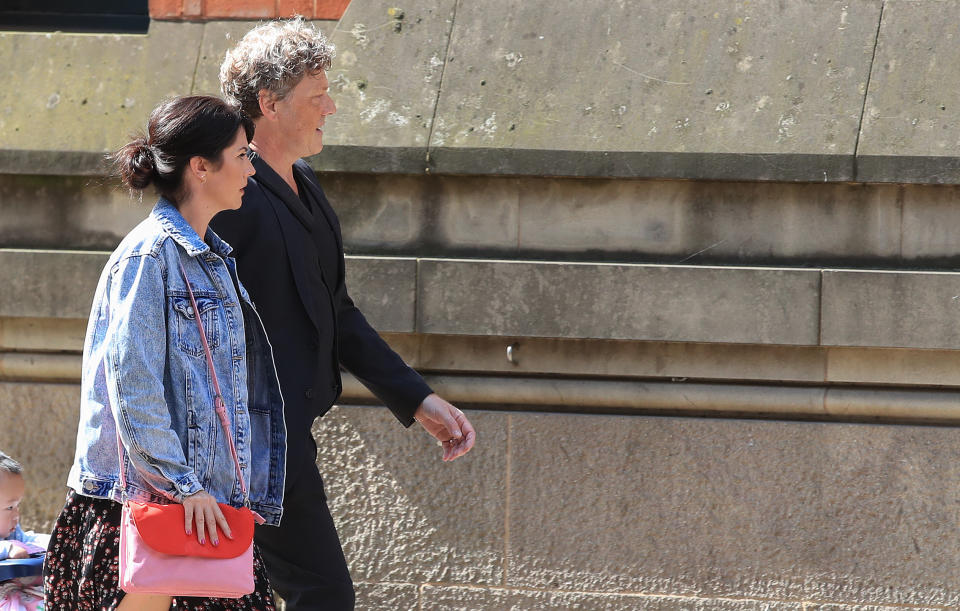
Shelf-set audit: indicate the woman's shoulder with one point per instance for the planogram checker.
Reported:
(147, 239)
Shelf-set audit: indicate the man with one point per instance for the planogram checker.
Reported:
(290, 257)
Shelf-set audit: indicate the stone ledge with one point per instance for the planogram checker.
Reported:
(781, 167)
(638, 302)
(607, 301)
(899, 310)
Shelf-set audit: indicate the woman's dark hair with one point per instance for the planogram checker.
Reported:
(179, 129)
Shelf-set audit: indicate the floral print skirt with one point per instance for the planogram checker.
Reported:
(80, 569)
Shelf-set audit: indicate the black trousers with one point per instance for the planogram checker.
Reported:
(303, 555)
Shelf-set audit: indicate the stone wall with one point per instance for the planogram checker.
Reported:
(690, 268)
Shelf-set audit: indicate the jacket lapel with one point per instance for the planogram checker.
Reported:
(295, 225)
(271, 180)
(304, 169)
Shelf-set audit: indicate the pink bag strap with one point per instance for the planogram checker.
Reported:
(218, 405)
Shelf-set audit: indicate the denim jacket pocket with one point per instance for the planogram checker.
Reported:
(188, 336)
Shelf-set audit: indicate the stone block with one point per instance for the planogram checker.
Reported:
(396, 596)
(40, 431)
(625, 359)
(891, 366)
(641, 302)
(218, 37)
(892, 405)
(404, 515)
(709, 91)
(478, 214)
(448, 598)
(72, 212)
(386, 106)
(909, 129)
(24, 334)
(708, 221)
(707, 508)
(61, 284)
(381, 213)
(890, 309)
(86, 94)
(929, 214)
(833, 607)
(43, 283)
(330, 9)
(385, 290)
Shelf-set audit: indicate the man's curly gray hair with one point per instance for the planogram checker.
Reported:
(273, 56)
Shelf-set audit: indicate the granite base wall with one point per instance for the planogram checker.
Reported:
(607, 512)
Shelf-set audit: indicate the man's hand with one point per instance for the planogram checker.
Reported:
(448, 425)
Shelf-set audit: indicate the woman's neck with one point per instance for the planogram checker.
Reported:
(197, 214)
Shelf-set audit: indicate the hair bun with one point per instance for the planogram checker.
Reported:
(136, 164)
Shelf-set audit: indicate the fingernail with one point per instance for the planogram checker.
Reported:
(189, 531)
(216, 541)
(201, 541)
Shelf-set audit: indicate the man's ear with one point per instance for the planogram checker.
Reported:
(268, 103)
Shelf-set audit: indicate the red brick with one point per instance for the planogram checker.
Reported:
(289, 8)
(240, 9)
(192, 8)
(330, 9)
(166, 9)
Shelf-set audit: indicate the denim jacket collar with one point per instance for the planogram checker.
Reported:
(183, 234)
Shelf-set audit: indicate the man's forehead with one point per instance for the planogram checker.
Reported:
(317, 79)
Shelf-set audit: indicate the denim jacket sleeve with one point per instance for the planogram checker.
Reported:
(135, 362)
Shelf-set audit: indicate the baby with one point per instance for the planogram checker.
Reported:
(24, 593)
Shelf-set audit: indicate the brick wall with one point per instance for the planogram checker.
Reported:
(190, 10)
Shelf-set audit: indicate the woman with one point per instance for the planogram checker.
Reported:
(145, 373)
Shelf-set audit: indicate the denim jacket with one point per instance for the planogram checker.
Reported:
(144, 366)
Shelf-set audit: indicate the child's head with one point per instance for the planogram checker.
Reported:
(12, 488)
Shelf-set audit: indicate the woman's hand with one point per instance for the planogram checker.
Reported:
(202, 508)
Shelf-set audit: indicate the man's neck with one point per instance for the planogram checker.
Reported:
(277, 158)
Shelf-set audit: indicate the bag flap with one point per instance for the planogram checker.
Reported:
(161, 527)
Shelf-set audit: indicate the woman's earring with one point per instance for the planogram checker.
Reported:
(203, 178)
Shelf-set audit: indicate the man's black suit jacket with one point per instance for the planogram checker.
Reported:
(291, 262)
